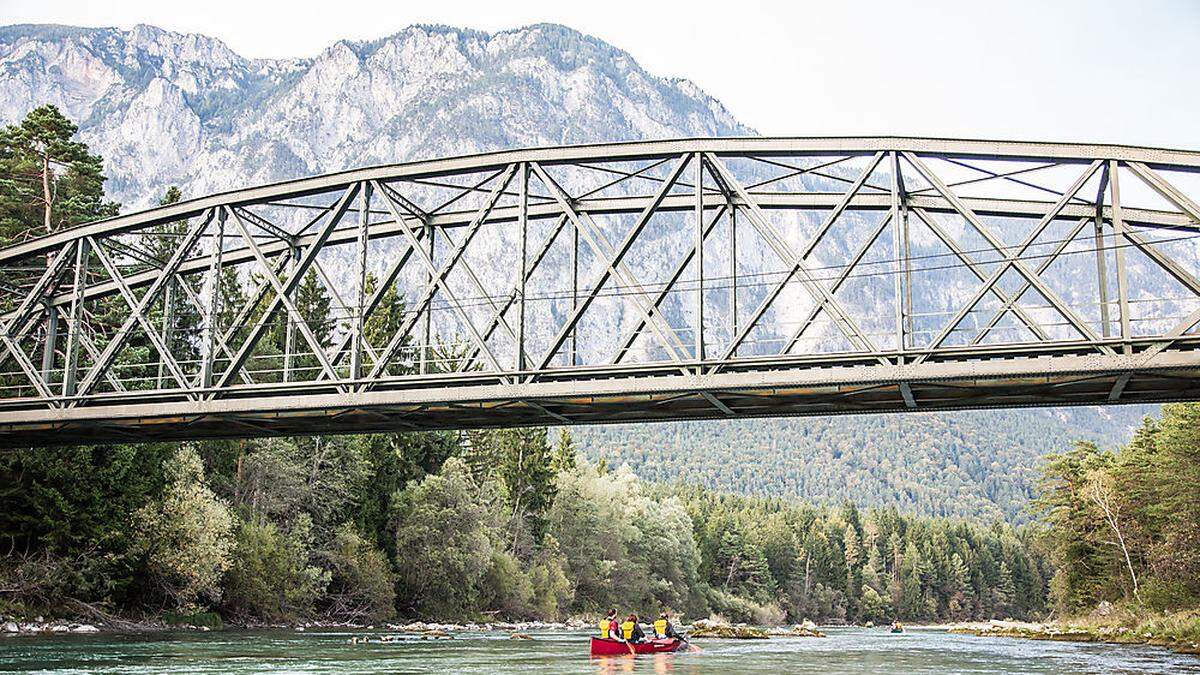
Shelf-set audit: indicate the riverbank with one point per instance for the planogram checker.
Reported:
(1179, 631)
(13, 626)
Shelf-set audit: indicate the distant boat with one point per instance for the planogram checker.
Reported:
(609, 647)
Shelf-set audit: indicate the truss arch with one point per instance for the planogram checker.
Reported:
(650, 280)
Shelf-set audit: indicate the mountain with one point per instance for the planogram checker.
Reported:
(165, 108)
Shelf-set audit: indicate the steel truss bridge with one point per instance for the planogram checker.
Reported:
(659, 280)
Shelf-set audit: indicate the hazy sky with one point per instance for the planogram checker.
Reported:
(1124, 72)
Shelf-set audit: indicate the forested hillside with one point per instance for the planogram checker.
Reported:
(979, 464)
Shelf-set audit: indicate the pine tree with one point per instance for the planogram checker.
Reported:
(565, 452)
(527, 474)
(48, 181)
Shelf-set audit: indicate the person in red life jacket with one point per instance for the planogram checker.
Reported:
(608, 626)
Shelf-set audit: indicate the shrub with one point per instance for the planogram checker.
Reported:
(187, 535)
(271, 579)
(444, 533)
(505, 588)
(361, 586)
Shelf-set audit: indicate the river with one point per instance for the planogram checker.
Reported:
(848, 650)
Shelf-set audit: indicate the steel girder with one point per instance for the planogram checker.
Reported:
(654, 280)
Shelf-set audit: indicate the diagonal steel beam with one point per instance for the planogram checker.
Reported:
(1045, 264)
(600, 244)
(631, 335)
(252, 301)
(194, 299)
(1010, 261)
(994, 289)
(1173, 268)
(497, 315)
(344, 306)
(90, 347)
(422, 304)
(271, 228)
(615, 266)
(37, 293)
(1037, 230)
(131, 300)
(797, 267)
(847, 269)
(283, 294)
(1165, 190)
(123, 333)
(385, 283)
(294, 279)
(1172, 335)
(513, 293)
(24, 314)
(440, 280)
(27, 367)
(625, 276)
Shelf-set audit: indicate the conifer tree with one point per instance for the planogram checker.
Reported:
(48, 180)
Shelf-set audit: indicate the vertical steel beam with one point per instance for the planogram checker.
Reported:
(574, 291)
(700, 231)
(427, 327)
(289, 331)
(364, 213)
(75, 325)
(733, 275)
(906, 240)
(213, 306)
(1118, 237)
(51, 341)
(1101, 255)
(523, 198)
(897, 245)
(168, 320)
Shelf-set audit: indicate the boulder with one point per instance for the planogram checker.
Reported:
(11, 627)
(84, 628)
(739, 632)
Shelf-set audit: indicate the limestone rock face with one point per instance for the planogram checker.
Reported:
(166, 108)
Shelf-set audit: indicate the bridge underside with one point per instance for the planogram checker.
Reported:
(646, 395)
(660, 280)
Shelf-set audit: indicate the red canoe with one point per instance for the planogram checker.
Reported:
(606, 647)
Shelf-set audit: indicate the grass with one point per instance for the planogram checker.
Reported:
(1124, 624)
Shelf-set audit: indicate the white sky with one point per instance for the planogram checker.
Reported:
(1101, 71)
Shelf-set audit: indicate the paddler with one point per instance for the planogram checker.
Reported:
(663, 628)
(631, 630)
(608, 626)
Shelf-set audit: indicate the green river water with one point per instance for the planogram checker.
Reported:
(849, 650)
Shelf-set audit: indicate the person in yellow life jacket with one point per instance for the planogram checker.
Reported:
(663, 628)
(631, 630)
(608, 625)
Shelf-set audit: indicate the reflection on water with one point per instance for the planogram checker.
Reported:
(850, 650)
